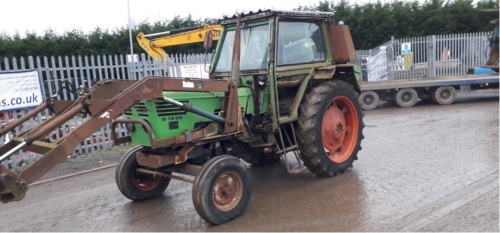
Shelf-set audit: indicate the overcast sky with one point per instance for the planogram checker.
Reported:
(65, 15)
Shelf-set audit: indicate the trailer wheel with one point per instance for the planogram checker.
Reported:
(369, 100)
(406, 98)
(444, 95)
(330, 128)
(138, 186)
(222, 189)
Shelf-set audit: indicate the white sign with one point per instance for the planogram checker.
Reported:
(20, 90)
(405, 48)
(132, 58)
(194, 71)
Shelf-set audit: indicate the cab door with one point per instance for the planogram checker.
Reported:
(299, 48)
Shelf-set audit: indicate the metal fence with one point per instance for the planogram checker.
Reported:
(429, 57)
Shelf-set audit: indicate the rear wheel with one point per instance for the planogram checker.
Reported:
(369, 100)
(134, 185)
(222, 189)
(330, 128)
(406, 98)
(444, 95)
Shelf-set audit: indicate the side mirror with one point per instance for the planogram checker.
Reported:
(208, 40)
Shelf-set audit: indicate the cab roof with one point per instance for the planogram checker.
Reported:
(281, 13)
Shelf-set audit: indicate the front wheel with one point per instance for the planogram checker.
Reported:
(222, 189)
(134, 185)
(330, 128)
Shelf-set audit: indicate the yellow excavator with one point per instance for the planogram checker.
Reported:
(154, 43)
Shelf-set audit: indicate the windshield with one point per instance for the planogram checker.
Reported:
(254, 41)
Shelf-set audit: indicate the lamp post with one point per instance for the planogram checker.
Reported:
(130, 30)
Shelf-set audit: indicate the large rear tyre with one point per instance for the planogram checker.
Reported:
(406, 98)
(369, 100)
(330, 128)
(134, 185)
(444, 95)
(222, 189)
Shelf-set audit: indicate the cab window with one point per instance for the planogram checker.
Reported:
(253, 47)
(299, 42)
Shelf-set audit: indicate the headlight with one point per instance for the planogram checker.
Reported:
(130, 127)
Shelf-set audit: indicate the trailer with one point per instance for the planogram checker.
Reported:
(428, 69)
(407, 92)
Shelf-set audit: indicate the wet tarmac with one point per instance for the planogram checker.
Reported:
(426, 168)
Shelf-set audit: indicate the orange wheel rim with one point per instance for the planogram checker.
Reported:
(339, 130)
(227, 191)
(145, 182)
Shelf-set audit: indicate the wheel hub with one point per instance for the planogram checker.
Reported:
(406, 97)
(445, 94)
(227, 191)
(339, 129)
(334, 128)
(368, 99)
(145, 182)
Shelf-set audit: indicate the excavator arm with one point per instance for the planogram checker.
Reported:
(154, 47)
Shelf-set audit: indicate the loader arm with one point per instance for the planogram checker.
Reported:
(154, 47)
(104, 102)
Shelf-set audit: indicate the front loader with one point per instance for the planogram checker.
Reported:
(280, 85)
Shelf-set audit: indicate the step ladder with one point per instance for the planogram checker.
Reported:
(283, 149)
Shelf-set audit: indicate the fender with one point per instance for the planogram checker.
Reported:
(348, 72)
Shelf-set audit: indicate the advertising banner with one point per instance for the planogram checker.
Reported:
(20, 89)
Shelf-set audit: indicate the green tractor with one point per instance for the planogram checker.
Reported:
(280, 85)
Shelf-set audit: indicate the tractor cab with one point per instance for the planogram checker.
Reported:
(285, 51)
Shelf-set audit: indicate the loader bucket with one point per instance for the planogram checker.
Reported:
(11, 187)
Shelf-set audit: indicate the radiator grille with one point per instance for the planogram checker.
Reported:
(166, 109)
(162, 108)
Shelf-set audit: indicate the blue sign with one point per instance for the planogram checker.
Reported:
(405, 48)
